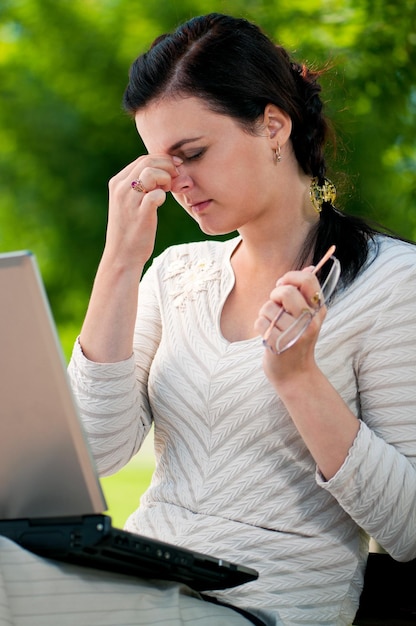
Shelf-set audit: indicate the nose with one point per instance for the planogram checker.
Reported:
(182, 183)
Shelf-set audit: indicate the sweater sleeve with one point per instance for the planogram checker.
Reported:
(376, 485)
(112, 397)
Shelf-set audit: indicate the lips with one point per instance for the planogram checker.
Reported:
(197, 207)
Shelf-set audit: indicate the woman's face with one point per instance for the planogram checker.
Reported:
(228, 177)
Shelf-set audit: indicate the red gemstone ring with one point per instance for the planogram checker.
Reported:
(137, 185)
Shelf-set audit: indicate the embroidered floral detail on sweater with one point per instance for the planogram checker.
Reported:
(190, 277)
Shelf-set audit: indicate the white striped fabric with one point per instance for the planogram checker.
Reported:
(233, 476)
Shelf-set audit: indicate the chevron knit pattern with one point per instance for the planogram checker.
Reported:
(233, 476)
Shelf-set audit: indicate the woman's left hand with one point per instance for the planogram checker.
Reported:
(298, 293)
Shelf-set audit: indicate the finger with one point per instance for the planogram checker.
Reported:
(291, 299)
(158, 171)
(307, 284)
(162, 161)
(154, 198)
(135, 171)
(266, 324)
(152, 178)
(274, 318)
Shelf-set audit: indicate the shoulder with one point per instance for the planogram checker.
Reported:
(390, 261)
(389, 272)
(387, 251)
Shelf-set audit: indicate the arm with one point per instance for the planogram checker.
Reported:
(107, 332)
(377, 483)
(326, 424)
(112, 397)
(368, 467)
(113, 406)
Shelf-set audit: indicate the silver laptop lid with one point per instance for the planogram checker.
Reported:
(45, 465)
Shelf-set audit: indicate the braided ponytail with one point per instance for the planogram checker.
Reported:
(311, 131)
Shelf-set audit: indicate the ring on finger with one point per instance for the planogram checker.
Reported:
(137, 185)
(316, 299)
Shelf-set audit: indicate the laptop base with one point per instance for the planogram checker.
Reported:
(92, 541)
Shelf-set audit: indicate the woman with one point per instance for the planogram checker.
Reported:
(284, 456)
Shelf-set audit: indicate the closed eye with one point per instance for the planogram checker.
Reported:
(194, 156)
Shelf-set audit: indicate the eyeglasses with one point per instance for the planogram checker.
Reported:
(293, 330)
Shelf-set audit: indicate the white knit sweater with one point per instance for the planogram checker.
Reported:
(233, 477)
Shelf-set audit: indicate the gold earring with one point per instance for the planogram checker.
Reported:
(322, 193)
(277, 154)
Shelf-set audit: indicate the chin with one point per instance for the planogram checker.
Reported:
(215, 230)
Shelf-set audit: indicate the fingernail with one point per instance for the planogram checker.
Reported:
(177, 160)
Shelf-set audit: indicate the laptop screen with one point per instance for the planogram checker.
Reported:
(45, 465)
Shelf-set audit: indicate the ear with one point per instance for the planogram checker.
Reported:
(278, 125)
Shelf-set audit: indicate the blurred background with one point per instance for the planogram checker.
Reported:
(63, 134)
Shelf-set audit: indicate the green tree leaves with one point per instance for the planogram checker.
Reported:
(63, 134)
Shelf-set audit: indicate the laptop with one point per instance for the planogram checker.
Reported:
(51, 501)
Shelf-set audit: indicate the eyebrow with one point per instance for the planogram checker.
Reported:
(182, 142)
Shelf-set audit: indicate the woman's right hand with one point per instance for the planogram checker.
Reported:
(132, 217)
(107, 332)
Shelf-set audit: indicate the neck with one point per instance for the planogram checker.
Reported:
(277, 237)
(270, 260)
(278, 248)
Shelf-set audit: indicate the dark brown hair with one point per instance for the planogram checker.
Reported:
(237, 71)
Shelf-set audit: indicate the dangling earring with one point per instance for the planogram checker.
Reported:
(277, 154)
(322, 193)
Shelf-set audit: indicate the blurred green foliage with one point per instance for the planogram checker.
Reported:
(63, 134)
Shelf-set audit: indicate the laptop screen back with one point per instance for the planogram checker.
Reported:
(45, 465)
